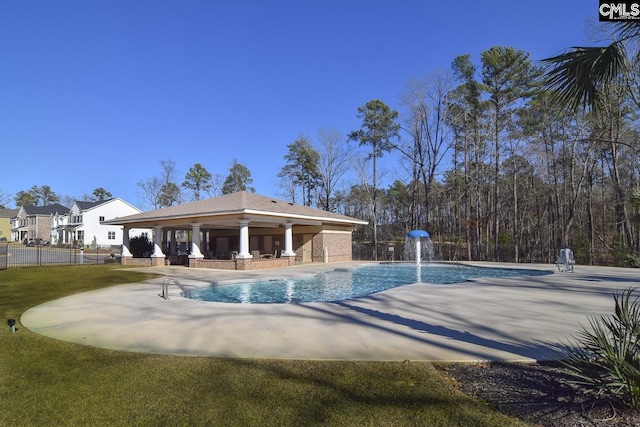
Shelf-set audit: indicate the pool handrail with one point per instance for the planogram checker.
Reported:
(170, 281)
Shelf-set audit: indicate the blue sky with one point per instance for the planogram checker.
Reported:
(97, 93)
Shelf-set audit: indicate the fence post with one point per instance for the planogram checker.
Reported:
(4, 255)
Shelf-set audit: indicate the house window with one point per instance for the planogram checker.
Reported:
(101, 218)
(81, 235)
(111, 235)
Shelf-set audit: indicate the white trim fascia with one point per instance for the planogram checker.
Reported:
(335, 232)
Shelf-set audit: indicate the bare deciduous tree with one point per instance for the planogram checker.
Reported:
(430, 138)
(335, 159)
(161, 191)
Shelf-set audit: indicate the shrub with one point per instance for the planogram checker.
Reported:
(622, 256)
(140, 247)
(633, 260)
(581, 247)
(605, 357)
(112, 260)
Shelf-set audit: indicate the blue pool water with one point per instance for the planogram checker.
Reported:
(340, 285)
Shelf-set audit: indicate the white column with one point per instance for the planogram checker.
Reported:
(288, 240)
(195, 242)
(244, 239)
(125, 242)
(157, 243)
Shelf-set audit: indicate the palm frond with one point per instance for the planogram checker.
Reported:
(628, 29)
(605, 356)
(577, 77)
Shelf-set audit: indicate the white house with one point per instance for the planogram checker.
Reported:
(83, 223)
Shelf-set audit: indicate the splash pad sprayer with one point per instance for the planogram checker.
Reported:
(417, 235)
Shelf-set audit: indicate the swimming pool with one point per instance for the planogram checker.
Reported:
(339, 285)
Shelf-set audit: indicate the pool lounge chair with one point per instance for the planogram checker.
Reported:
(565, 260)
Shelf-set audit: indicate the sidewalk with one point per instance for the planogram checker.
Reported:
(510, 319)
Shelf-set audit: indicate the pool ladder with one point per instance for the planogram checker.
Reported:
(169, 281)
(456, 263)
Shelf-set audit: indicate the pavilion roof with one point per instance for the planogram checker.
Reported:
(242, 203)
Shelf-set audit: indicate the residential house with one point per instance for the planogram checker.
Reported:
(5, 223)
(83, 223)
(36, 222)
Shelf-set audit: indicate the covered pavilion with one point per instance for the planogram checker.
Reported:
(241, 231)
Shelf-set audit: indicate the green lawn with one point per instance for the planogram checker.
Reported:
(49, 382)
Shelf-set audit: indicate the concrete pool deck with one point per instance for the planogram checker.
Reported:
(510, 319)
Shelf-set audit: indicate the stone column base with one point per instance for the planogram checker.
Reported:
(157, 261)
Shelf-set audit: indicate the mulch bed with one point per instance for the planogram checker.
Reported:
(540, 394)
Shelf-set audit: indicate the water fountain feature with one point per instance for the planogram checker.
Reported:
(415, 250)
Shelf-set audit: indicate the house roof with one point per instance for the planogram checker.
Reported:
(8, 213)
(241, 205)
(52, 209)
(84, 205)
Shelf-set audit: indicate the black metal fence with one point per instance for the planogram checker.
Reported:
(506, 253)
(17, 255)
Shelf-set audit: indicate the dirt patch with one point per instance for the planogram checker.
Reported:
(540, 394)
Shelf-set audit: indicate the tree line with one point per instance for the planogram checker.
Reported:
(505, 159)
(163, 190)
(156, 192)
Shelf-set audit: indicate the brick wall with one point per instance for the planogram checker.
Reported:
(43, 227)
(338, 242)
(242, 264)
(139, 262)
(212, 263)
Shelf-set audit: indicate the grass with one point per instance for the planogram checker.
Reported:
(48, 382)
